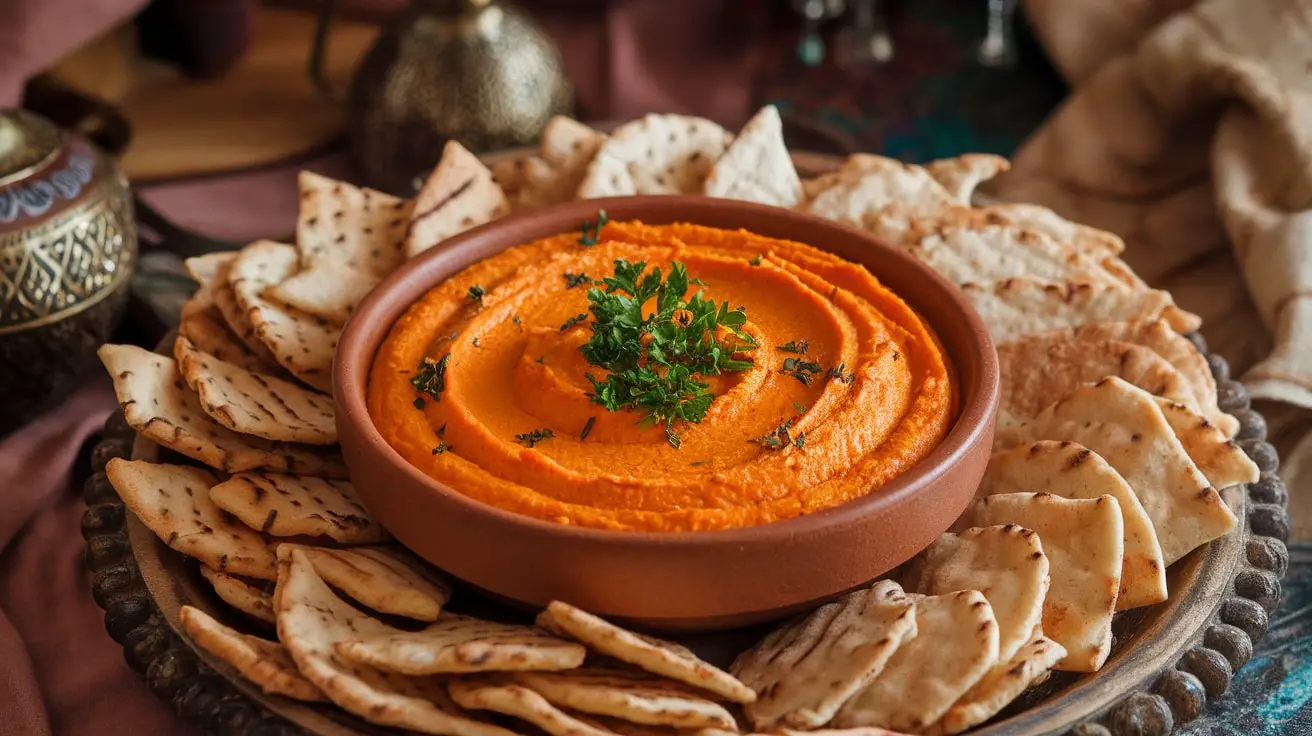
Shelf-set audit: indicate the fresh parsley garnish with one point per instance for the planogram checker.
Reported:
(800, 440)
(587, 428)
(655, 361)
(592, 233)
(802, 370)
(777, 438)
(476, 342)
(441, 448)
(841, 374)
(799, 407)
(530, 439)
(698, 463)
(516, 320)
(576, 319)
(577, 279)
(419, 402)
(795, 346)
(476, 294)
(757, 260)
(430, 378)
(538, 360)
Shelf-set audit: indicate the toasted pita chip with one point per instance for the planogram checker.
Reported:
(1157, 336)
(312, 622)
(459, 195)
(240, 594)
(157, 403)
(651, 654)
(1035, 371)
(757, 166)
(998, 252)
(256, 404)
(1005, 563)
(1218, 458)
(386, 579)
(1083, 539)
(263, 662)
(172, 501)
(806, 669)
(328, 289)
(1073, 471)
(1014, 308)
(955, 645)
(659, 154)
(502, 695)
(1125, 425)
(362, 229)
(632, 696)
(866, 184)
(235, 316)
(298, 341)
(962, 174)
(206, 329)
(206, 269)
(1091, 240)
(555, 174)
(1003, 684)
(463, 644)
(291, 505)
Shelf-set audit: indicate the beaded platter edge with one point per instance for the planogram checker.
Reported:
(1176, 695)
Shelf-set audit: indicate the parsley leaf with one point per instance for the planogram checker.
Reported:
(757, 260)
(476, 294)
(840, 373)
(802, 370)
(441, 448)
(592, 233)
(795, 346)
(576, 279)
(430, 378)
(587, 428)
(581, 316)
(531, 439)
(655, 361)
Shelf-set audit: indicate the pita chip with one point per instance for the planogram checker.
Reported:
(1070, 470)
(240, 594)
(1003, 684)
(157, 403)
(299, 341)
(503, 695)
(956, 644)
(555, 174)
(297, 505)
(866, 184)
(460, 194)
(386, 579)
(329, 289)
(1125, 425)
(256, 404)
(1005, 563)
(360, 228)
(235, 316)
(206, 329)
(173, 502)
(312, 621)
(1090, 240)
(962, 174)
(1014, 308)
(460, 644)
(648, 653)
(659, 154)
(1218, 458)
(805, 670)
(632, 696)
(206, 269)
(757, 166)
(263, 662)
(1083, 539)
(1035, 371)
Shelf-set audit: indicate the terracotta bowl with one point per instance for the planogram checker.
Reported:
(672, 581)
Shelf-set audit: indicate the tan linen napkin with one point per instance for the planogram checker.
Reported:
(1190, 132)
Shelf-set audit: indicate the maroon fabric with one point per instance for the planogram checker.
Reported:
(34, 34)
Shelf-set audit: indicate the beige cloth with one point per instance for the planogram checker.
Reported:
(1189, 133)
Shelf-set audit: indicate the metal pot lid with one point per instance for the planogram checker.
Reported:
(27, 141)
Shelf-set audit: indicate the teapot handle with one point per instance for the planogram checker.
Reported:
(319, 50)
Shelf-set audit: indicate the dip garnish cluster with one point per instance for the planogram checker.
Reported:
(592, 233)
(655, 360)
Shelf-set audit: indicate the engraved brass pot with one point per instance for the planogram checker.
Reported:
(68, 246)
(476, 71)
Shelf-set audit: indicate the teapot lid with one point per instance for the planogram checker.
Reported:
(26, 141)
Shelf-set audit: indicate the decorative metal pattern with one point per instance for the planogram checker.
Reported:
(1200, 668)
(70, 261)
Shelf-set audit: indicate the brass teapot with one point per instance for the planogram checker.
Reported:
(477, 71)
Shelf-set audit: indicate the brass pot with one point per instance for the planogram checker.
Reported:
(68, 246)
(477, 71)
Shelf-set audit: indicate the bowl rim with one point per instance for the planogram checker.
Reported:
(355, 353)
